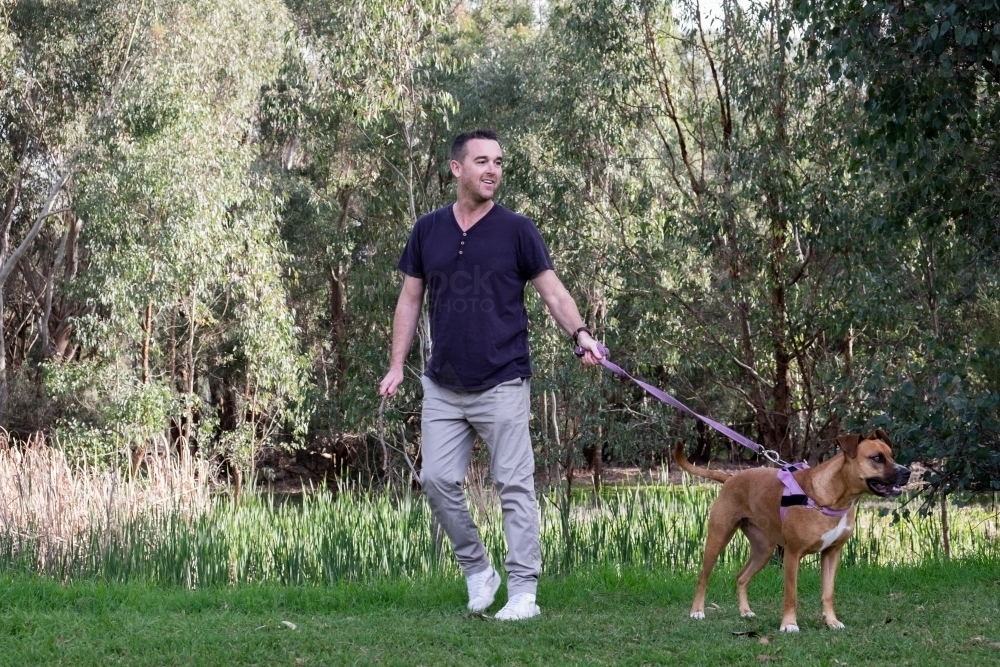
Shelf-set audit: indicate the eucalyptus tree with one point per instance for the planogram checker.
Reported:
(359, 120)
(183, 322)
(64, 66)
(928, 78)
(711, 192)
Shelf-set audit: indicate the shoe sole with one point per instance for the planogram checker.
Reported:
(537, 612)
(493, 584)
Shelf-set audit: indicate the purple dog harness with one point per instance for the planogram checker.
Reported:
(793, 494)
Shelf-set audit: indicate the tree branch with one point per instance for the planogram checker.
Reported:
(47, 212)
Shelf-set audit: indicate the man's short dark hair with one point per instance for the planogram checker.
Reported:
(458, 145)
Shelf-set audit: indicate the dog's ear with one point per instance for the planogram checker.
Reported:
(849, 443)
(879, 434)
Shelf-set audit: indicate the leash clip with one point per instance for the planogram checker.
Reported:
(772, 456)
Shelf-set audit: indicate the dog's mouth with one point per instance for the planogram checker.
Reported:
(884, 489)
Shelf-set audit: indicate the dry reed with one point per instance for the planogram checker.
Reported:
(52, 510)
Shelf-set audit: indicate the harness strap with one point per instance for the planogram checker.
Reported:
(791, 500)
(794, 494)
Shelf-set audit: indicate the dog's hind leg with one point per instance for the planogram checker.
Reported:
(761, 549)
(720, 531)
(828, 561)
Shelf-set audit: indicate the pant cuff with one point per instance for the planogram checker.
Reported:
(477, 568)
(523, 587)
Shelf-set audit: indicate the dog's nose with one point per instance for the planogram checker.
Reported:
(902, 474)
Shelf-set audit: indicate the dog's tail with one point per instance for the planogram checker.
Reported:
(692, 469)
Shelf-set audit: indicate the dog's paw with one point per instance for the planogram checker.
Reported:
(790, 628)
(836, 625)
(748, 614)
(698, 615)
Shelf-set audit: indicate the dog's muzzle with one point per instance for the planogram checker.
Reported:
(892, 486)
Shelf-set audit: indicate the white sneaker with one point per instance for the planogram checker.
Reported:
(483, 588)
(518, 608)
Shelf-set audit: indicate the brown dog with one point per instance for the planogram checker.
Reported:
(751, 501)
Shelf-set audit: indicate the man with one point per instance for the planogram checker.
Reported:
(474, 258)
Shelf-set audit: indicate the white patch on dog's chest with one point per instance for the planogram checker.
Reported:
(834, 534)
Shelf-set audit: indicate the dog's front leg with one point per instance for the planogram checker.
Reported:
(829, 560)
(788, 622)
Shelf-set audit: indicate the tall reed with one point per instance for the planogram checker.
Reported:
(168, 527)
(52, 515)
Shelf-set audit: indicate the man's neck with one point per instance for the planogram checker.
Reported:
(467, 213)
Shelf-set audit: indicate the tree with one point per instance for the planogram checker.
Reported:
(358, 121)
(176, 275)
(64, 68)
(928, 78)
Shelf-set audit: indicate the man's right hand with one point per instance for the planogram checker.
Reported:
(390, 383)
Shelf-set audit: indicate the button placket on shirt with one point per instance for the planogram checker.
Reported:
(464, 234)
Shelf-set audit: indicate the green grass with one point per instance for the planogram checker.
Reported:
(934, 614)
(99, 570)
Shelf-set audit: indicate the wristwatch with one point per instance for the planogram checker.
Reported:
(576, 335)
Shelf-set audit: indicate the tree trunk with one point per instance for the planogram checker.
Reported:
(336, 327)
(147, 332)
(945, 530)
(173, 348)
(4, 386)
(189, 385)
(781, 395)
(546, 449)
(596, 460)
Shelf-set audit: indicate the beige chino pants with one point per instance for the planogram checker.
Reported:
(450, 422)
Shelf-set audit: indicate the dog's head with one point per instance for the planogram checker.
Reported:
(871, 455)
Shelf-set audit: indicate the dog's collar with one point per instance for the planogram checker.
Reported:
(794, 495)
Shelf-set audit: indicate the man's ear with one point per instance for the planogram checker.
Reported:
(849, 443)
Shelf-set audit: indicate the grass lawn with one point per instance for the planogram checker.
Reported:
(933, 615)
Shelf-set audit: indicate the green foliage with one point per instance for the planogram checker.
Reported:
(786, 216)
(106, 411)
(943, 411)
(927, 76)
(185, 281)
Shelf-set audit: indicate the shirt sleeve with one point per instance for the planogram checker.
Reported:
(411, 262)
(532, 253)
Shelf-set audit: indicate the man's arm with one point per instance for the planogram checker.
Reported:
(564, 311)
(404, 325)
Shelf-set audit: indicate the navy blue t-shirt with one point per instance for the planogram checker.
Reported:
(475, 285)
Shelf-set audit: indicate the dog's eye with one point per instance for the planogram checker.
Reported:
(878, 458)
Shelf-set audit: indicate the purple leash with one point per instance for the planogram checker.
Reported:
(664, 397)
(793, 493)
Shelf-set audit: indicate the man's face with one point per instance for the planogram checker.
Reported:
(478, 174)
